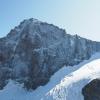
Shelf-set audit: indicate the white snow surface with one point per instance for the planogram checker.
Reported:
(66, 84)
(70, 88)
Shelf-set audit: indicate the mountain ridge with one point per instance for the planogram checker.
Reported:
(33, 51)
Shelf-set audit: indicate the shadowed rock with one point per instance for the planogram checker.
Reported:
(92, 90)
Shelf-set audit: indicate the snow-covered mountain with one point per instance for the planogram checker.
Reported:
(34, 51)
(70, 88)
(65, 84)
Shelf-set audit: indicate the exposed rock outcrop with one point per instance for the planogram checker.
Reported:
(92, 90)
(35, 50)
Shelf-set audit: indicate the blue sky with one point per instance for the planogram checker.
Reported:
(80, 17)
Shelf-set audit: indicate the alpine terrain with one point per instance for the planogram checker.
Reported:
(40, 61)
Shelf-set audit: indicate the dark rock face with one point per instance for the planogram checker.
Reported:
(92, 90)
(34, 50)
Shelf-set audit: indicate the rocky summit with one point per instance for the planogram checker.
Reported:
(33, 51)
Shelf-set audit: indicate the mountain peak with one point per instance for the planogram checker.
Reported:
(30, 20)
(35, 50)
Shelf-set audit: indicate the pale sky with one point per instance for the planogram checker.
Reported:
(80, 17)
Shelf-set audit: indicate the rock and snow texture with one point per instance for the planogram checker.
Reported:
(33, 51)
(66, 84)
(70, 88)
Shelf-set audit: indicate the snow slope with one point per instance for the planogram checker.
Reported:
(70, 88)
(72, 80)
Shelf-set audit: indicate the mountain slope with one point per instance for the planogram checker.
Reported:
(70, 88)
(72, 83)
(33, 51)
